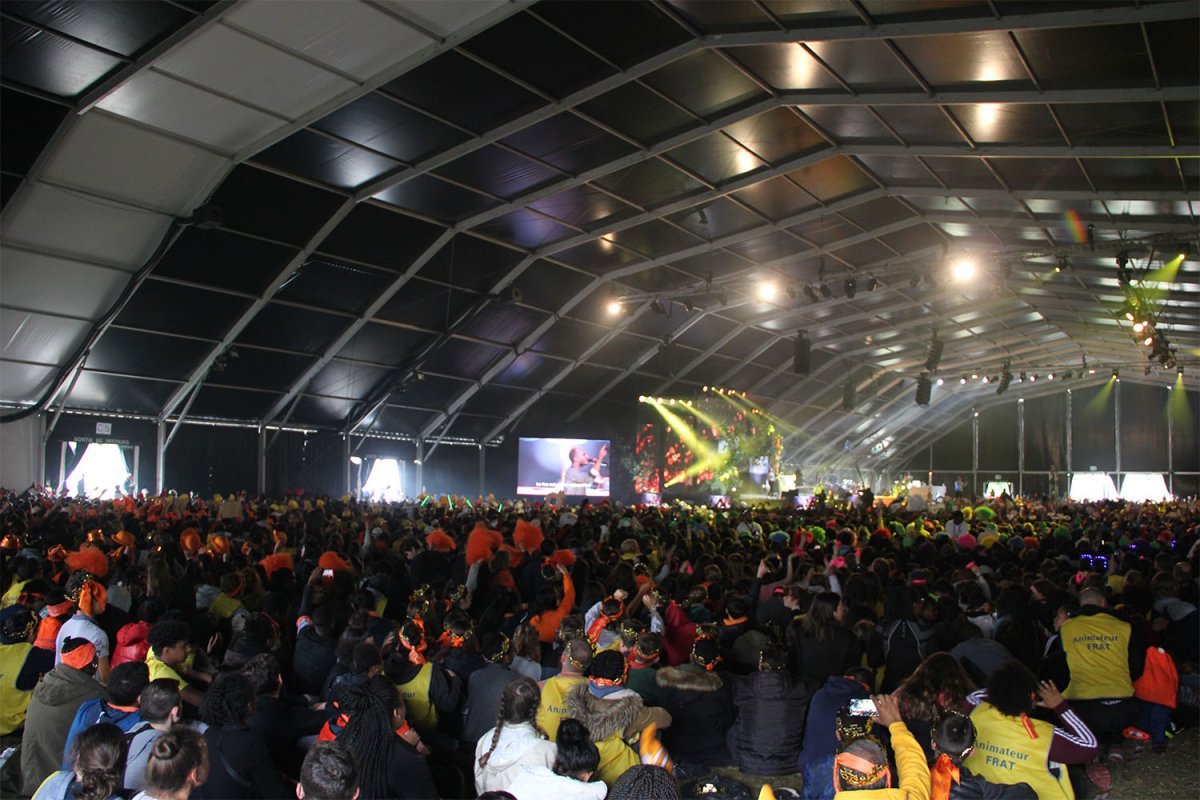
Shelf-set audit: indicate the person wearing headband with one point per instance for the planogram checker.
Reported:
(21, 665)
(700, 701)
(861, 763)
(485, 685)
(576, 659)
(52, 709)
(92, 600)
(429, 691)
(769, 728)
(614, 715)
(600, 617)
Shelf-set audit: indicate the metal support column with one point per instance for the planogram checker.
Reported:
(1021, 447)
(930, 468)
(137, 467)
(1171, 443)
(1117, 428)
(482, 467)
(1069, 415)
(160, 456)
(420, 462)
(974, 455)
(262, 460)
(41, 453)
(346, 487)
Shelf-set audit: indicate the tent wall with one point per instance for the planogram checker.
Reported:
(19, 444)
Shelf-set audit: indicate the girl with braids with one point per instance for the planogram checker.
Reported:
(429, 691)
(97, 767)
(516, 741)
(388, 765)
(178, 764)
(575, 762)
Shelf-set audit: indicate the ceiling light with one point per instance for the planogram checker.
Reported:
(964, 270)
(1050, 377)
(614, 307)
(962, 381)
(940, 381)
(851, 287)
(767, 291)
(1148, 341)
(974, 376)
(1138, 327)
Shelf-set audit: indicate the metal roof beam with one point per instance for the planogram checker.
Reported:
(560, 375)
(1109, 94)
(1074, 18)
(1038, 194)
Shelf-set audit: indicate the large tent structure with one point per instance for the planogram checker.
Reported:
(439, 224)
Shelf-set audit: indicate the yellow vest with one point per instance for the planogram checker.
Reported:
(552, 709)
(223, 606)
(615, 757)
(1004, 753)
(13, 594)
(13, 702)
(161, 669)
(1097, 649)
(421, 712)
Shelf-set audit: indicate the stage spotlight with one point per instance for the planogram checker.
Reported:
(1062, 263)
(1148, 341)
(641, 398)
(1050, 377)
(1033, 377)
(1138, 327)
(825, 291)
(705, 389)
(974, 376)
(767, 290)
(872, 284)
(986, 379)
(851, 287)
(962, 381)
(940, 381)
(964, 270)
(614, 307)
(1116, 373)
(811, 294)
(1184, 250)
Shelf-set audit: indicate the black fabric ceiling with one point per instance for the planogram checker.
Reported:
(437, 256)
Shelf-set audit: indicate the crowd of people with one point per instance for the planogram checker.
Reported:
(170, 647)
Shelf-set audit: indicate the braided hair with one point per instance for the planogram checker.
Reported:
(369, 732)
(518, 703)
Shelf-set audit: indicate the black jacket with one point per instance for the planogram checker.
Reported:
(240, 766)
(766, 736)
(483, 699)
(818, 661)
(282, 725)
(701, 707)
(314, 658)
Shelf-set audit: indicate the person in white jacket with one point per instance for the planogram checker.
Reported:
(570, 778)
(516, 740)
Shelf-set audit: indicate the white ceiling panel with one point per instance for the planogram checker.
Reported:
(72, 224)
(135, 164)
(349, 36)
(38, 338)
(34, 281)
(19, 383)
(161, 101)
(247, 69)
(446, 16)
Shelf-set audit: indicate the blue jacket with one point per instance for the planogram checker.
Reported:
(93, 712)
(820, 729)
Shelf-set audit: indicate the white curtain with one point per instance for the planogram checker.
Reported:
(384, 481)
(102, 471)
(1144, 487)
(1092, 486)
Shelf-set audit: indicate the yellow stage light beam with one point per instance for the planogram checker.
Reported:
(1098, 405)
(1180, 409)
(706, 455)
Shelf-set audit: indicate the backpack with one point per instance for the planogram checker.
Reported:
(1159, 682)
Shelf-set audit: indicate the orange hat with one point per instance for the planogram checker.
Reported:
(275, 562)
(79, 656)
(125, 539)
(95, 536)
(218, 545)
(279, 537)
(10, 542)
(482, 543)
(331, 560)
(528, 536)
(189, 540)
(57, 553)
(440, 541)
(90, 560)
